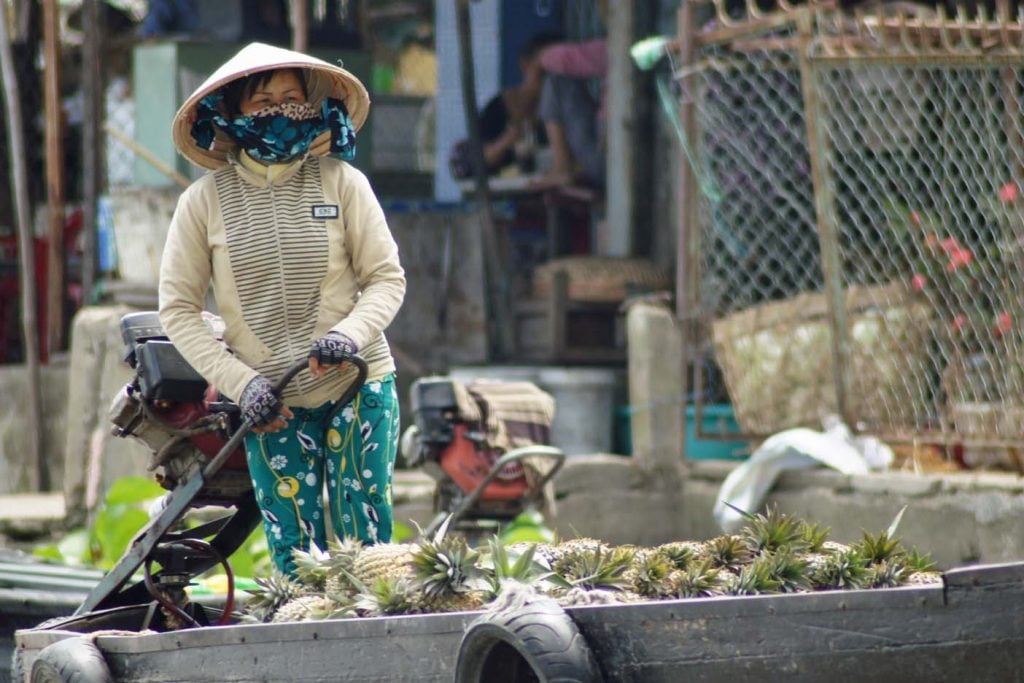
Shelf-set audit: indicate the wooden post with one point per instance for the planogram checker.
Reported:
(620, 134)
(54, 179)
(300, 25)
(92, 140)
(29, 323)
(500, 333)
(824, 205)
(688, 237)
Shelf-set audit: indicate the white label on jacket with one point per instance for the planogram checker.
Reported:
(325, 211)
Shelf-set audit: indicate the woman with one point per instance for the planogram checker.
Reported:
(302, 264)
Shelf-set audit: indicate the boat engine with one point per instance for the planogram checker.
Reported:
(170, 408)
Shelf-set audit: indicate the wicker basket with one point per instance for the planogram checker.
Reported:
(601, 279)
(776, 359)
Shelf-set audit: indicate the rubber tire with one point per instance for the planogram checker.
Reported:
(543, 636)
(73, 660)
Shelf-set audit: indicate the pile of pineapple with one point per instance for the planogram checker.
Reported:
(774, 553)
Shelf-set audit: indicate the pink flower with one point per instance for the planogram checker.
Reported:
(958, 322)
(950, 245)
(958, 258)
(918, 282)
(915, 218)
(1004, 324)
(1008, 192)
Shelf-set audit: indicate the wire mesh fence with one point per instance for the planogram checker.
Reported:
(861, 220)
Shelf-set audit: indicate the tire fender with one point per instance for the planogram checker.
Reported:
(73, 660)
(541, 634)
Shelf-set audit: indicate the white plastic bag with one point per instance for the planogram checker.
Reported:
(794, 449)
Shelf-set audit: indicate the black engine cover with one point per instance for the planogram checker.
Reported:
(165, 375)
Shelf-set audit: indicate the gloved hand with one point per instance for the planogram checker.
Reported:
(259, 404)
(329, 349)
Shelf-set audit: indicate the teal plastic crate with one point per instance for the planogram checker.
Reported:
(717, 418)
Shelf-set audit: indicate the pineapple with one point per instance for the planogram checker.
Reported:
(307, 608)
(773, 531)
(593, 569)
(310, 568)
(700, 580)
(789, 570)
(880, 548)
(388, 595)
(501, 565)
(557, 553)
(446, 575)
(340, 568)
(273, 592)
(886, 574)
(921, 569)
(753, 579)
(576, 597)
(682, 553)
(844, 569)
(382, 560)
(649, 574)
(813, 536)
(728, 552)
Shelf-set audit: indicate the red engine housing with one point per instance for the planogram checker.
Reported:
(185, 415)
(467, 464)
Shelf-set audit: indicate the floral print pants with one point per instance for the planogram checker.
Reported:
(354, 457)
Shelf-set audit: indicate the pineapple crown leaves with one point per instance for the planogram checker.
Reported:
(886, 574)
(447, 566)
(728, 552)
(846, 569)
(311, 567)
(271, 592)
(698, 581)
(813, 535)
(788, 570)
(342, 553)
(753, 579)
(388, 595)
(880, 548)
(884, 546)
(680, 555)
(916, 561)
(650, 574)
(500, 565)
(772, 531)
(593, 569)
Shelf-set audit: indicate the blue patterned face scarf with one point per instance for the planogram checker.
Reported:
(279, 132)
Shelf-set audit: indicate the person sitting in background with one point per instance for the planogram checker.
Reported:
(510, 130)
(573, 118)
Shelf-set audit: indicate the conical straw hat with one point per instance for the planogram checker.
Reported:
(323, 80)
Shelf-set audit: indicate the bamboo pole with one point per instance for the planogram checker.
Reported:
(500, 334)
(54, 180)
(92, 178)
(37, 479)
(824, 205)
(688, 234)
(147, 156)
(300, 25)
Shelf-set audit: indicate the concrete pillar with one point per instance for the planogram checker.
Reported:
(93, 458)
(655, 366)
(622, 93)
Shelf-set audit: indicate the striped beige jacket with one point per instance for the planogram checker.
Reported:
(291, 254)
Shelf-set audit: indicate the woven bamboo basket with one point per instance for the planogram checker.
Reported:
(601, 279)
(777, 360)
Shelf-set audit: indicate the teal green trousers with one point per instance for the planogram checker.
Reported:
(353, 458)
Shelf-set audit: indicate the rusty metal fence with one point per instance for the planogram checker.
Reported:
(855, 240)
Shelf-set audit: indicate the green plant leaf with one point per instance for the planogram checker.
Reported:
(132, 491)
(114, 530)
